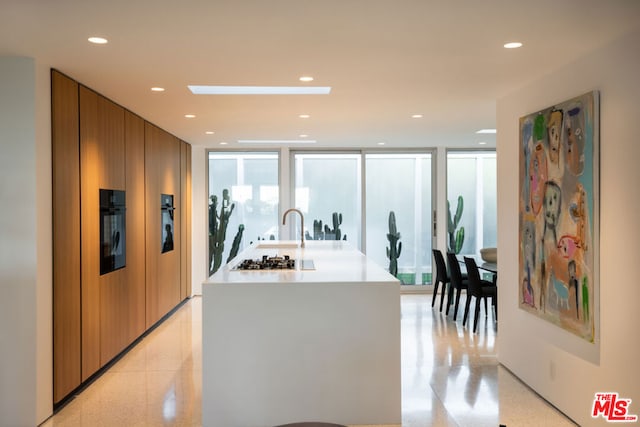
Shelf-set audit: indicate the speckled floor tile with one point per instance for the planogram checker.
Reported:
(450, 378)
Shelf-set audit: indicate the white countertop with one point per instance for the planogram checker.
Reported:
(334, 261)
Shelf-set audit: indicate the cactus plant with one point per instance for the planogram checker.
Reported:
(325, 232)
(218, 228)
(395, 245)
(271, 237)
(456, 238)
(235, 246)
(318, 234)
(336, 233)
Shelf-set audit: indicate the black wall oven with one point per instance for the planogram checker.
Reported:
(112, 230)
(166, 213)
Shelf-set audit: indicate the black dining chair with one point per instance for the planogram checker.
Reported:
(459, 281)
(479, 289)
(442, 278)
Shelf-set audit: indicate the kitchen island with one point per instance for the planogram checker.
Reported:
(320, 342)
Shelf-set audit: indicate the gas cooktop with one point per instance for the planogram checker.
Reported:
(267, 263)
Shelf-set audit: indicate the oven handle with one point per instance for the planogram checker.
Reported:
(113, 210)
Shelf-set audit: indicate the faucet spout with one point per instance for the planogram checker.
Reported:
(284, 220)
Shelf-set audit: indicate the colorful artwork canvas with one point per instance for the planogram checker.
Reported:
(558, 214)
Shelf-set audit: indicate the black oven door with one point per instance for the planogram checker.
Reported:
(112, 230)
(166, 212)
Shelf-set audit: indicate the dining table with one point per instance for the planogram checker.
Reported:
(490, 267)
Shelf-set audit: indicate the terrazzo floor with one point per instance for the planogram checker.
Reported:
(450, 377)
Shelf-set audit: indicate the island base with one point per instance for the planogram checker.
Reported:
(280, 353)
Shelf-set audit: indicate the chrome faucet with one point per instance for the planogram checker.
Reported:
(284, 220)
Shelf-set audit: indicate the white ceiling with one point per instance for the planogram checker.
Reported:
(384, 59)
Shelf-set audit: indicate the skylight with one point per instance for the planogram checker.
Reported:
(276, 141)
(259, 90)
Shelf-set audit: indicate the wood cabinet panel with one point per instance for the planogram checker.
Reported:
(102, 165)
(162, 176)
(136, 277)
(185, 205)
(122, 293)
(66, 235)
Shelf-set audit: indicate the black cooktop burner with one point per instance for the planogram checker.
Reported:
(267, 263)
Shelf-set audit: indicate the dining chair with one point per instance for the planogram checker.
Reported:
(441, 277)
(479, 289)
(459, 281)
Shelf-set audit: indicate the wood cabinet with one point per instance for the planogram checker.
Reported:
(102, 166)
(162, 176)
(134, 294)
(66, 235)
(185, 225)
(97, 144)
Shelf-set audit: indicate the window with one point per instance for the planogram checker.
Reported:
(350, 195)
(400, 183)
(328, 190)
(251, 180)
(471, 179)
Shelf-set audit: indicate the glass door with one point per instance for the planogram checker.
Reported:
(399, 214)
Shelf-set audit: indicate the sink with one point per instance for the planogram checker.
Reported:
(307, 264)
(277, 246)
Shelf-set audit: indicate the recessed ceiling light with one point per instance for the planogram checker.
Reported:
(209, 132)
(259, 90)
(512, 45)
(482, 143)
(381, 143)
(304, 116)
(98, 40)
(486, 131)
(276, 141)
(190, 116)
(303, 135)
(306, 79)
(224, 143)
(157, 89)
(416, 116)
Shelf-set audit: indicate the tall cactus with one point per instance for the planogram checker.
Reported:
(235, 246)
(218, 223)
(456, 238)
(395, 245)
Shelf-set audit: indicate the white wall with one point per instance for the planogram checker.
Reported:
(561, 367)
(44, 243)
(25, 246)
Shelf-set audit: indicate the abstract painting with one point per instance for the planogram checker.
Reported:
(558, 214)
